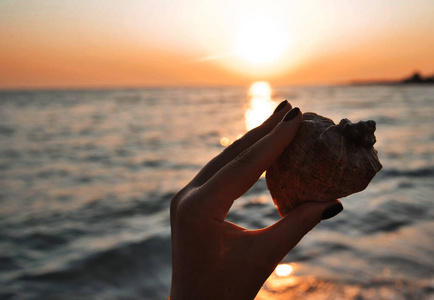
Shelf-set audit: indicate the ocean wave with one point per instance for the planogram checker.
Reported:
(419, 172)
(129, 270)
(7, 131)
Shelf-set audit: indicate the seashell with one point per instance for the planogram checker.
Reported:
(324, 162)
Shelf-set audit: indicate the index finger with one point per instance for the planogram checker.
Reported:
(240, 145)
(238, 176)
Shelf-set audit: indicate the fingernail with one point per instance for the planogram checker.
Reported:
(291, 114)
(332, 211)
(280, 106)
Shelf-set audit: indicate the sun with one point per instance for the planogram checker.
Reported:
(260, 41)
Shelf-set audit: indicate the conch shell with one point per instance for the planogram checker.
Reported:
(324, 162)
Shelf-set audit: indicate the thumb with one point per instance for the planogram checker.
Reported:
(279, 238)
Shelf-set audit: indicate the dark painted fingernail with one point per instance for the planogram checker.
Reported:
(280, 106)
(332, 211)
(291, 114)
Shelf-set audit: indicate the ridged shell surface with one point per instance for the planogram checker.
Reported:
(324, 162)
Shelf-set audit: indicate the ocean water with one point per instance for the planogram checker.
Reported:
(86, 179)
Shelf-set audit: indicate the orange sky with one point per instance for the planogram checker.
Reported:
(75, 44)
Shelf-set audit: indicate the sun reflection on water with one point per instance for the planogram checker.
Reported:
(280, 280)
(261, 106)
(224, 141)
(284, 270)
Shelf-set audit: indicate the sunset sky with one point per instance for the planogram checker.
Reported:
(107, 43)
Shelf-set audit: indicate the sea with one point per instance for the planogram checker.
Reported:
(86, 179)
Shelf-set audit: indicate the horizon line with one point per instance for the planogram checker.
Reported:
(197, 85)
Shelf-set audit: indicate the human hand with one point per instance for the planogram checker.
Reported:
(216, 259)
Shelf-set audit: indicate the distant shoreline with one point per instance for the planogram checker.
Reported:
(415, 78)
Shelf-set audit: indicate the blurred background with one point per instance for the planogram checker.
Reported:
(108, 108)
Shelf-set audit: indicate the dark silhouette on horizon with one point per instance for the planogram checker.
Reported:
(415, 78)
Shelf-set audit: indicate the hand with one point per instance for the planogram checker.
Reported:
(216, 259)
